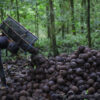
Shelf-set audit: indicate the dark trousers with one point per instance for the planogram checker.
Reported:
(2, 74)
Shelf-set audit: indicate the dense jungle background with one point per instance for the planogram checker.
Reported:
(64, 63)
(60, 25)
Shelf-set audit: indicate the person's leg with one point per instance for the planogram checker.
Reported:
(2, 74)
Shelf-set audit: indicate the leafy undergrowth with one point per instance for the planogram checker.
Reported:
(68, 44)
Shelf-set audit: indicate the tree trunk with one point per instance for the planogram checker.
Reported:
(2, 14)
(62, 11)
(72, 15)
(48, 20)
(82, 17)
(17, 8)
(67, 26)
(11, 6)
(63, 30)
(36, 20)
(52, 28)
(88, 25)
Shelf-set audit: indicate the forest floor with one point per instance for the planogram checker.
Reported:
(15, 71)
(53, 78)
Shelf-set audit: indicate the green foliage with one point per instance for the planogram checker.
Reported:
(27, 14)
(7, 58)
(69, 44)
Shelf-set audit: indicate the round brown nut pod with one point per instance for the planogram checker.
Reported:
(70, 77)
(53, 66)
(85, 75)
(75, 89)
(94, 64)
(90, 82)
(71, 97)
(86, 86)
(73, 64)
(65, 89)
(93, 76)
(59, 63)
(81, 88)
(29, 85)
(70, 92)
(30, 91)
(94, 52)
(35, 85)
(19, 88)
(79, 71)
(76, 53)
(80, 61)
(29, 78)
(51, 62)
(11, 90)
(73, 56)
(23, 71)
(63, 72)
(94, 58)
(41, 85)
(40, 70)
(22, 98)
(9, 97)
(3, 98)
(98, 91)
(63, 55)
(16, 79)
(60, 80)
(53, 78)
(51, 70)
(81, 49)
(61, 87)
(68, 59)
(83, 56)
(70, 71)
(98, 79)
(50, 83)
(59, 59)
(80, 82)
(87, 65)
(76, 79)
(73, 60)
(39, 77)
(90, 60)
(54, 87)
(16, 95)
(23, 93)
(91, 90)
(63, 67)
(29, 98)
(68, 83)
(89, 54)
(39, 91)
(86, 50)
(58, 67)
(96, 85)
(46, 88)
